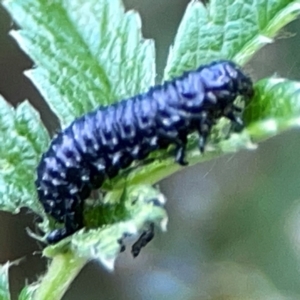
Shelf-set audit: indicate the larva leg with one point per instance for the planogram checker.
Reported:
(230, 113)
(74, 215)
(180, 152)
(73, 220)
(204, 128)
(57, 235)
(180, 143)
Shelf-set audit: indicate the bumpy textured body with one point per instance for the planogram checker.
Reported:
(99, 144)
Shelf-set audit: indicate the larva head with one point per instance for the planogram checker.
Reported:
(240, 81)
(213, 86)
(224, 81)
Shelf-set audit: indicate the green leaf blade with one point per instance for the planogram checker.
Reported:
(274, 108)
(88, 53)
(236, 33)
(23, 139)
(116, 36)
(27, 292)
(28, 124)
(4, 281)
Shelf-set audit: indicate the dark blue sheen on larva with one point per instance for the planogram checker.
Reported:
(101, 143)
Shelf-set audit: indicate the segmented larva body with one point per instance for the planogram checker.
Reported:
(99, 144)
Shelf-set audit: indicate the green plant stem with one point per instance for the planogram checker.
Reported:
(61, 272)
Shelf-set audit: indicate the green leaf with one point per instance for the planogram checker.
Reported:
(23, 139)
(275, 108)
(4, 282)
(27, 292)
(87, 53)
(61, 272)
(228, 29)
(138, 207)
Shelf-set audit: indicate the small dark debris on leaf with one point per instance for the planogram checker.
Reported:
(143, 240)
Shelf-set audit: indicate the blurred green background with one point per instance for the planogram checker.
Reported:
(234, 229)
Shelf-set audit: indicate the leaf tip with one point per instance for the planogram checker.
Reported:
(164, 224)
(108, 263)
(263, 39)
